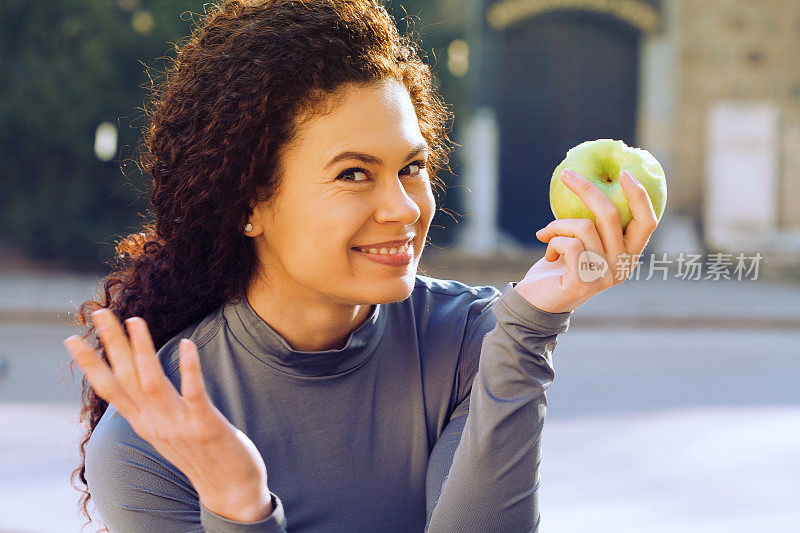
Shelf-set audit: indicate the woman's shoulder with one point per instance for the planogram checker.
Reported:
(449, 289)
(452, 297)
(200, 332)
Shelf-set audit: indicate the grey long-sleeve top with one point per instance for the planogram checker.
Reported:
(428, 419)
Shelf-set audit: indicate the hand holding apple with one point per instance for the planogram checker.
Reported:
(600, 161)
(596, 233)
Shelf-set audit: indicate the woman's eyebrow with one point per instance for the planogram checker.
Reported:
(367, 158)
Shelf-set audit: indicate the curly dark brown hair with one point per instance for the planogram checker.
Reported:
(216, 127)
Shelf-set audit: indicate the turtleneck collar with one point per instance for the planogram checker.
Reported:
(270, 347)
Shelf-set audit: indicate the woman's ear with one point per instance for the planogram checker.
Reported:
(253, 226)
(260, 213)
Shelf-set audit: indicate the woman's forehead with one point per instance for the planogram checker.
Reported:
(366, 116)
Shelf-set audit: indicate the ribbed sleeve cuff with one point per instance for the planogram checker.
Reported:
(529, 315)
(274, 523)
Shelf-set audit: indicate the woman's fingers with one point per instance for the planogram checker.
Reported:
(136, 379)
(606, 213)
(100, 376)
(134, 365)
(193, 388)
(569, 248)
(584, 230)
(644, 220)
(580, 228)
(153, 383)
(117, 349)
(141, 341)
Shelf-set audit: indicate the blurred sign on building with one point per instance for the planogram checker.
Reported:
(742, 164)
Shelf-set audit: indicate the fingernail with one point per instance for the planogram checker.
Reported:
(568, 174)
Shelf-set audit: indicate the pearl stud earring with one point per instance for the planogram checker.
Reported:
(248, 227)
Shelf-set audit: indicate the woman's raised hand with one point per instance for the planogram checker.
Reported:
(221, 462)
(584, 258)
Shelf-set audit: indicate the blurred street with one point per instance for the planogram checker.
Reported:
(675, 406)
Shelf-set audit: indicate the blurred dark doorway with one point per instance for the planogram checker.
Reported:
(563, 78)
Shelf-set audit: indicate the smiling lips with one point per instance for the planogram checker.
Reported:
(396, 256)
(395, 250)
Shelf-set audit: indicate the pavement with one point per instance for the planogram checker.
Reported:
(664, 300)
(675, 407)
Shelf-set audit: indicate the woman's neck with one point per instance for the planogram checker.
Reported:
(306, 324)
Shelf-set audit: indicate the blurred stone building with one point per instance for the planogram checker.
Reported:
(710, 87)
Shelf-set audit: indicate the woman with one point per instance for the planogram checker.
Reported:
(293, 150)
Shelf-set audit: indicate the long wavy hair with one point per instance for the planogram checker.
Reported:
(216, 126)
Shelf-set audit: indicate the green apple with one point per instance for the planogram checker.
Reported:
(600, 161)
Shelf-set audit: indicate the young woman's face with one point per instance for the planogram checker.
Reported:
(354, 178)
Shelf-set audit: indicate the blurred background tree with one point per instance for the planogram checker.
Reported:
(70, 65)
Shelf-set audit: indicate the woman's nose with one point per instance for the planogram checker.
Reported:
(395, 204)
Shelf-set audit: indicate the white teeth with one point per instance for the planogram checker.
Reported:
(390, 251)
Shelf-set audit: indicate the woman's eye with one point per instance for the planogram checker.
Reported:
(354, 172)
(358, 175)
(416, 167)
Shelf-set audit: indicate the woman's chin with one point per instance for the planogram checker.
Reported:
(389, 290)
